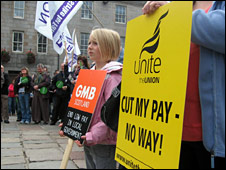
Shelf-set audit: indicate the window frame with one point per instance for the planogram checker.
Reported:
(42, 44)
(82, 49)
(18, 42)
(125, 15)
(87, 10)
(14, 8)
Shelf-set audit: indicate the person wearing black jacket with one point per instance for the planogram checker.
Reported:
(4, 96)
(61, 87)
(22, 89)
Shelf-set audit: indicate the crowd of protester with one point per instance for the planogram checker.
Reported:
(38, 97)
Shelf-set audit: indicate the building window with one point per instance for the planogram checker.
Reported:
(120, 15)
(19, 9)
(122, 42)
(18, 41)
(42, 44)
(86, 7)
(84, 43)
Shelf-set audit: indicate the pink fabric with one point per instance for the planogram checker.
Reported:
(98, 132)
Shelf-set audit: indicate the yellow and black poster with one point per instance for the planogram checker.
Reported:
(153, 88)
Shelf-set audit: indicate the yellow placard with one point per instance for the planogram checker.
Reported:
(153, 88)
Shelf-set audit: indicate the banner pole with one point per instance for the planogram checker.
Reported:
(67, 154)
(73, 50)
(66, 50)
(94, 15)
(58, 60)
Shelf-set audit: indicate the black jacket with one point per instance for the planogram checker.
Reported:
(45, 82)
(5, 86)
(28, 87)
(59, 91)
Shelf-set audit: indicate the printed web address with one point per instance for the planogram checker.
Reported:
(128, 162)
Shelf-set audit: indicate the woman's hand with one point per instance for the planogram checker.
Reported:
(151, 6)
(61, 133)
(79, 143)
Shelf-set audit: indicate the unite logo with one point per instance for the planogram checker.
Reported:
(152, 64)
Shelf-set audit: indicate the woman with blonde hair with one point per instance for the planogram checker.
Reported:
(23, 89)
(100, 141)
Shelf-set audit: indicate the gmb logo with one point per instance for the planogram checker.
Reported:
(152, 64)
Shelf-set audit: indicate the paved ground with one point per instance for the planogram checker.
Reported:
(35, 147)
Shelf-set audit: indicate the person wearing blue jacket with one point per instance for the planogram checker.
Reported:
(121, 56)
(208, 31)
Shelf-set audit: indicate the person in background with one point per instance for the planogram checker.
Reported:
(2, 79)
(62, 95)
(4, 96)
(45, 70)
(18, 109)
(22, 90)
(50, 94)
(40, 101)
(208, 33)
(52, 98)
(82, 63)
(121, 56)
(11, 99)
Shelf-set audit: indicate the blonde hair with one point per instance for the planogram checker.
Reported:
(109, 43)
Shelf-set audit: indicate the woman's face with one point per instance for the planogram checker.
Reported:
(80, 63)
(93, 49)
(24, 71)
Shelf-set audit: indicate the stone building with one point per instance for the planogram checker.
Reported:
(18, 35)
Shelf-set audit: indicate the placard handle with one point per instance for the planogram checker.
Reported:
(67, 154)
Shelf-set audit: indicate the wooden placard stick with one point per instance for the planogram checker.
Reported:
(67, 154)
